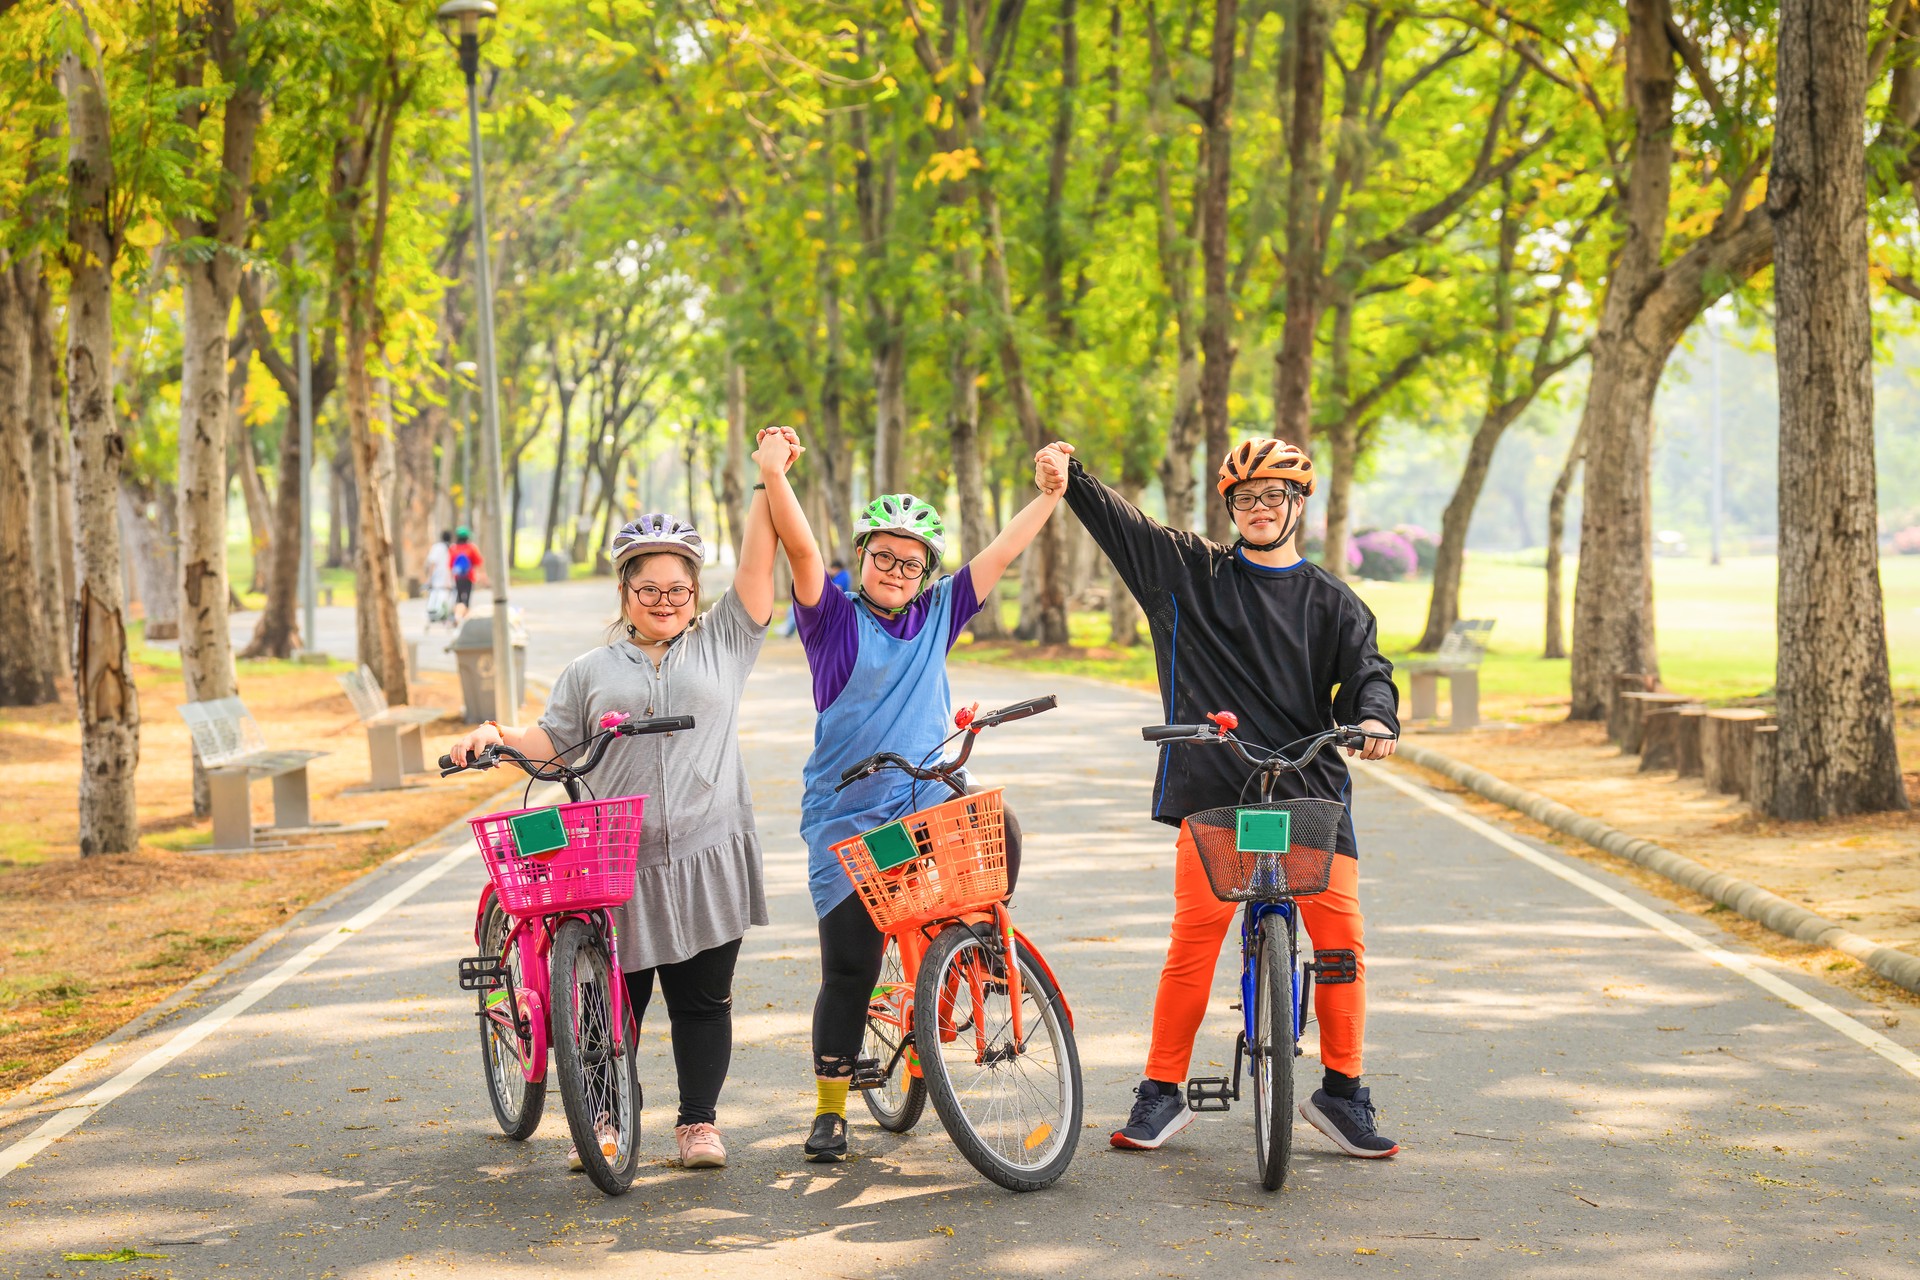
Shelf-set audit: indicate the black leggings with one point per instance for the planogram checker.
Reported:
(851, 951)
(699, 994)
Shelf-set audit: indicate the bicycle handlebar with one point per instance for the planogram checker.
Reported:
(944, 771)
(557, 771)
(1275, 761)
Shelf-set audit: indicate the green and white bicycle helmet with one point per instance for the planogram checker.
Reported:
(906, 515)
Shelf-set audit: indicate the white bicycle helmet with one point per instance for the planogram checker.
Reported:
(656, 532)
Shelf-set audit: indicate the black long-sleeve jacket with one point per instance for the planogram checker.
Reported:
(1290, 651)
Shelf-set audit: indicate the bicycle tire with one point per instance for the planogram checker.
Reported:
(518, 1103)
(986, 1112)
(1271, 1055)
(898, 1105)
(593, 1081)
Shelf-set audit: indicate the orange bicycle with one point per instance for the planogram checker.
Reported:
(967, 1011)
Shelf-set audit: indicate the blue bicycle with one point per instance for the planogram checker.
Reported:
(1266, 855)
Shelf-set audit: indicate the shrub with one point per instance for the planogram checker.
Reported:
(1426, 547)
(1385, 555)
(1907, 540)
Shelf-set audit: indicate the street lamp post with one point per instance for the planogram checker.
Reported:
(466, 24)
(466, 370)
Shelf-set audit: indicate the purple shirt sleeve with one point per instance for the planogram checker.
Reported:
(830, 637)
(964, 605)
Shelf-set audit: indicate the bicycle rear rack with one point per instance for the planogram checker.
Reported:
(1219, 1093)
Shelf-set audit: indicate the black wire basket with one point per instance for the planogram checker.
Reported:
(1317, 833)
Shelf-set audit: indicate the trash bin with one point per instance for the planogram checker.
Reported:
(555, 566)
(472, 649)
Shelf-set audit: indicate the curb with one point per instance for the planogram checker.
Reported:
(1750, 900)
(36, 1094)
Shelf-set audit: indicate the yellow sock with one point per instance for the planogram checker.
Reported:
(833, 1098)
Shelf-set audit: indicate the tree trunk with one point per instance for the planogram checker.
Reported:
(835, 462)
(890, 411)
(109, 707)
(245, 461)
(147, 523)
(963, 441)
(414, 496)
(733, 475)
(563, 393)
(1343, 438)
(1293, 362)
(1217, 319)
(1175, 251)
(342, 507)
(277, 633)
(26, 677)
(1556, 534)
(1648, 307)
(376, 608)
(53, 483)
(1835, 752)
(1123, 611)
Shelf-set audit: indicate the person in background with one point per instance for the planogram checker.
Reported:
(438, 575)
(839, 578)
(464, 560)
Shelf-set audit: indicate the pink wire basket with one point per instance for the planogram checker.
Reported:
(595, 869)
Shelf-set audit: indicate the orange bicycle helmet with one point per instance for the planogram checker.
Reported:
(1266, 459)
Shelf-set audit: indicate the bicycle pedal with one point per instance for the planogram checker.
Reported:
(867, 1075)
(1210, 1093)
(482, 973)
(1334, 968)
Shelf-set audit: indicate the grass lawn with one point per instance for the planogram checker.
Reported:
(1715, 631)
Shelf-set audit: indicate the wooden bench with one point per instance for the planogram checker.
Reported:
(1458, 661)
(234, 752)
(395, 746)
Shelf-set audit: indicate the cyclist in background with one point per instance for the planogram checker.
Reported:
(439, 578)
(879, 663)
(463, 558)
(1256, 630)
(699, 883)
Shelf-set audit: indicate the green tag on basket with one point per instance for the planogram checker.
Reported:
(538, 831)
(891, 845)
(1264, 830)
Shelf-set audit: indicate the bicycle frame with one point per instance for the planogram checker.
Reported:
(898, 1002)
(534, 945)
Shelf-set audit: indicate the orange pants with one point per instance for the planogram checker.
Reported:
(1200, 924)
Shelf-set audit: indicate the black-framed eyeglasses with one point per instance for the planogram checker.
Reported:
(1271, 499)
(887, 562)
(651, 595)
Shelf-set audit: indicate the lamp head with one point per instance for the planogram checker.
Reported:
(459, 19)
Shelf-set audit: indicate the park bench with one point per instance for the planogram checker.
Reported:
(1458, 662)
(234, 752)
(395, 746)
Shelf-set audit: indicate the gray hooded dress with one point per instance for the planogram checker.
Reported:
(699, 878)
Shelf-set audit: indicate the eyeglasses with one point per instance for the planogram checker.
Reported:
(675, 596)
(887, 562)
(1271, 499)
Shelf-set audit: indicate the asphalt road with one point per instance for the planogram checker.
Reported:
(1577, 1092)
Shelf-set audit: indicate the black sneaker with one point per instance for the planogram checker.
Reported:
(1349, 1123)
(1155, 1117)
(827, 1144)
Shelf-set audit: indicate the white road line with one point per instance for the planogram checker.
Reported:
(72, 1115)
(1814, 1007)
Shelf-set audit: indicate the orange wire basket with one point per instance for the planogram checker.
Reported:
(960, 864)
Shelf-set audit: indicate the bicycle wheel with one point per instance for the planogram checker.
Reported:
(601, 1091)
(1271, 1053)
(1013, 1112)
(517, 1102)
(896, 1106)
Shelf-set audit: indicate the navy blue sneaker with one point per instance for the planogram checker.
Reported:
(1349, 1123)
(1155, 1117)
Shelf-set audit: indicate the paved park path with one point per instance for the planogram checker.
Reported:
(1579, 1090)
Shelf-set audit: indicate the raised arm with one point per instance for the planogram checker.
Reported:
(776, 451)
(987, 567)
(1148, 555)
(754, 582)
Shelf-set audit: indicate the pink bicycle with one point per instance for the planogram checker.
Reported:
(548, 973)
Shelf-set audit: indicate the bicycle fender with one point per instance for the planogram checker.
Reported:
(480, 912)
(1033, 953)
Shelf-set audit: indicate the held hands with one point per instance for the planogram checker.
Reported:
(1376, 748)
(777, 448)
(468, 745)
(1050, 468)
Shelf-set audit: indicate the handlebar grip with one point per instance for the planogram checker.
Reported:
(448, 766)
(1170, 732)
(485, 758)
(1019, 711)
(853, 771)
(659, 724)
